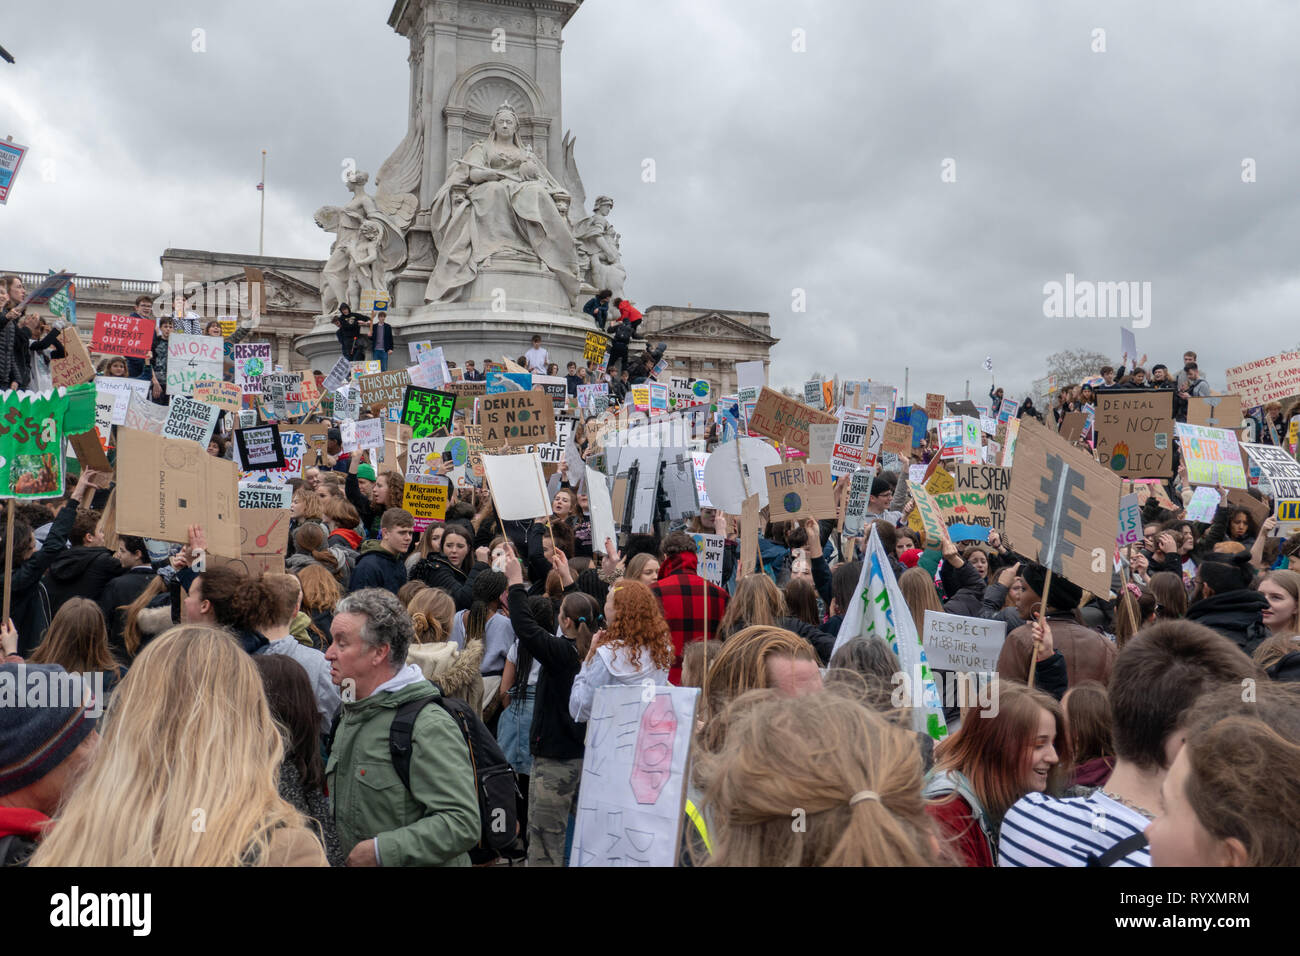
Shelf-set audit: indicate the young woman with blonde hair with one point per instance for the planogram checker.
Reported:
(634, 646)
(856, 776)
(187, 772)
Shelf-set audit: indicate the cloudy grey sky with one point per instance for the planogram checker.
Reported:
(777, 170)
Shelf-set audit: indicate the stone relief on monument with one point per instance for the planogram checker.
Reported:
(370, 243)
(500, 202)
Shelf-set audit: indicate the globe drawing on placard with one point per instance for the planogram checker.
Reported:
(253, 367)
(524, 414)
(700, 388)
(792, 501)
(459, 448)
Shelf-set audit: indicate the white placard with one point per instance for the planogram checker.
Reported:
(190, 420)
(634, 777)
(126, 387)
(601, 510)
(518, 487)
(262, 494)
(968, 644)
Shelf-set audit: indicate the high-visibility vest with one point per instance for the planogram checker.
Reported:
(701, 827)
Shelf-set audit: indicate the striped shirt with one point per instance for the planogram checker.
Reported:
(1041, 831)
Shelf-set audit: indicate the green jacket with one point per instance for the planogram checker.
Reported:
(434, 823)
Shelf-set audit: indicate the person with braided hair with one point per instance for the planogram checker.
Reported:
(486, 621)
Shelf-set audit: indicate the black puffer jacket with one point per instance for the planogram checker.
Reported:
(29, 603)
(80, 572)
(1237, 615)
(963, 590)
(554, 733)
(437, 572)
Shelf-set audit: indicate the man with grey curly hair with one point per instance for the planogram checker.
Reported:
(431, 817)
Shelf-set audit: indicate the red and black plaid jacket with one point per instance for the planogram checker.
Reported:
(682, 593)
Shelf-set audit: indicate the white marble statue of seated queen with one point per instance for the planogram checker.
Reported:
(498, 199)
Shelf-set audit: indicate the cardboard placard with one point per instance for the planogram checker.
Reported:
(264, 541)
(933, 406)
(897, 440)
(1134, 432)
(165, 485)
(384, 388)
(1212, 456)
(1063, 508)
(1259, 510)
(511, 419)
(991, 480)
(785, 419)
(122, 335)
(1265, 380)
(259, 448)
(75, 367)
(1072, 426)
(796, 491)
(1214, 411)
(226, 396)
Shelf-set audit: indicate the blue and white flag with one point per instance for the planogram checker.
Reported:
(881, 611)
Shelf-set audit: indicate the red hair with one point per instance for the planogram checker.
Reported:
(639, 623)
(994, 749)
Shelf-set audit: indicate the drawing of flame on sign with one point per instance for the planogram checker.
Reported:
(653, 762)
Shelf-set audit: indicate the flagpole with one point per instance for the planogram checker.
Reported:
(261, 222)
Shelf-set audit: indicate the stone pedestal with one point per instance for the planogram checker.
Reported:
(503, 309)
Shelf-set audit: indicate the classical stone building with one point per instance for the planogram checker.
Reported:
(702, 343)
(707, 343)
(214, 285)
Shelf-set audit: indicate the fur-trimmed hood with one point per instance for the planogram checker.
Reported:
(456, 672)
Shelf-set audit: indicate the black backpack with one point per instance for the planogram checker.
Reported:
(494, 778)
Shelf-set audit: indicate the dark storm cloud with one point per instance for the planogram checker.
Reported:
(775, 170)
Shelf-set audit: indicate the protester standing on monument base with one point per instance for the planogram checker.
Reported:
(381, 339)
(536, 357)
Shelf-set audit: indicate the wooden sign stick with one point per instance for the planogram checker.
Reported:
(9, 558)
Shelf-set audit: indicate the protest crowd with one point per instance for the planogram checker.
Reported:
(400, 612)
